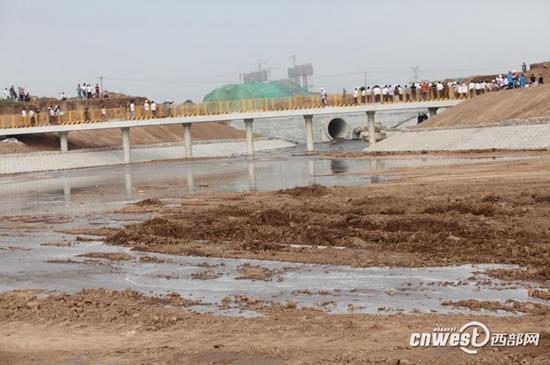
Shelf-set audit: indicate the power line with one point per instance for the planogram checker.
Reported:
(402, 71)
(160, 80)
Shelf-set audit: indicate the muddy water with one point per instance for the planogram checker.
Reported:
(98, 189)
(29, 260)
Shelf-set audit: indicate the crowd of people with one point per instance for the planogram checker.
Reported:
(437, 89)
(20, 95)
(31, 115)
(149, 109)
(87, 91)
(415, 91)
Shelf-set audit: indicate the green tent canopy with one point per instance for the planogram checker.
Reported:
(256, 90)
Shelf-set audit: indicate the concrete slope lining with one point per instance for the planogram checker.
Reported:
(536, 136)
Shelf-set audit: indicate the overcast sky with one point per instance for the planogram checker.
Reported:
(184, 49)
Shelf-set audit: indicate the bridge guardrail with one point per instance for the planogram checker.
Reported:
(216, 108)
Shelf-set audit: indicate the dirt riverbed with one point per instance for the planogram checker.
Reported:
(404, 224)
(478, 213)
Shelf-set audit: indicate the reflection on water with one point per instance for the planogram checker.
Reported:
(94, 189)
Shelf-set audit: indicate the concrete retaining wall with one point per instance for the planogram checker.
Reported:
(514, 137)
(45, 161)
(292, 128)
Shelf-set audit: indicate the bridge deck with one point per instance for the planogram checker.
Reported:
(228, 117)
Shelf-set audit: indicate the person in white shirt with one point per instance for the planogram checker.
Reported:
(154, 109)
(356, 96)
(132, 110)
(377, 91)
(146, 108)
(32, 117)
(464, 89)
(51, 113)
(477, 87)
(439, 88)
(363, 95)
(324, 97)
(368, 92)
(89, 89)
(385, 93)
(400, 93)
(391, 92)
(6, 93)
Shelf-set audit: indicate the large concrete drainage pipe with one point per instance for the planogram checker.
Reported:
(337, 128)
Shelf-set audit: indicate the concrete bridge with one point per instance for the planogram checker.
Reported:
(308, 113)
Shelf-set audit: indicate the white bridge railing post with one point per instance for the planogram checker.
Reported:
(371, 128)
(308, 119)
(249, 136)
(126, 143)
(187, 140)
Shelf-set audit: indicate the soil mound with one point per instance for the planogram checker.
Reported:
(519, 105)
(509, 306)
(95, 306)
(411, 228)
(315, 190)
(149, 202)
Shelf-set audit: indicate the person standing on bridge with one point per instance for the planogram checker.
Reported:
(32, 117)
(324, 97)
(154, 109)
(384, 93)
(24, 115)
(132, 108)
(356, 96)
(377, 92)
(439, 89)
(103, 112)
(146, 108)
(51, 115)
(363, 95)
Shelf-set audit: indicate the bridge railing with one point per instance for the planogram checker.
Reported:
(93, 115)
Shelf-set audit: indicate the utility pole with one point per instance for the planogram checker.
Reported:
(415, 73)
(101, 84)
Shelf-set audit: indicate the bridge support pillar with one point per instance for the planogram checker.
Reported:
(187, 140)
(371, 128)
(64, 141)
(309, 132)
(432, 111)
(249, 137)
(126, 143)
